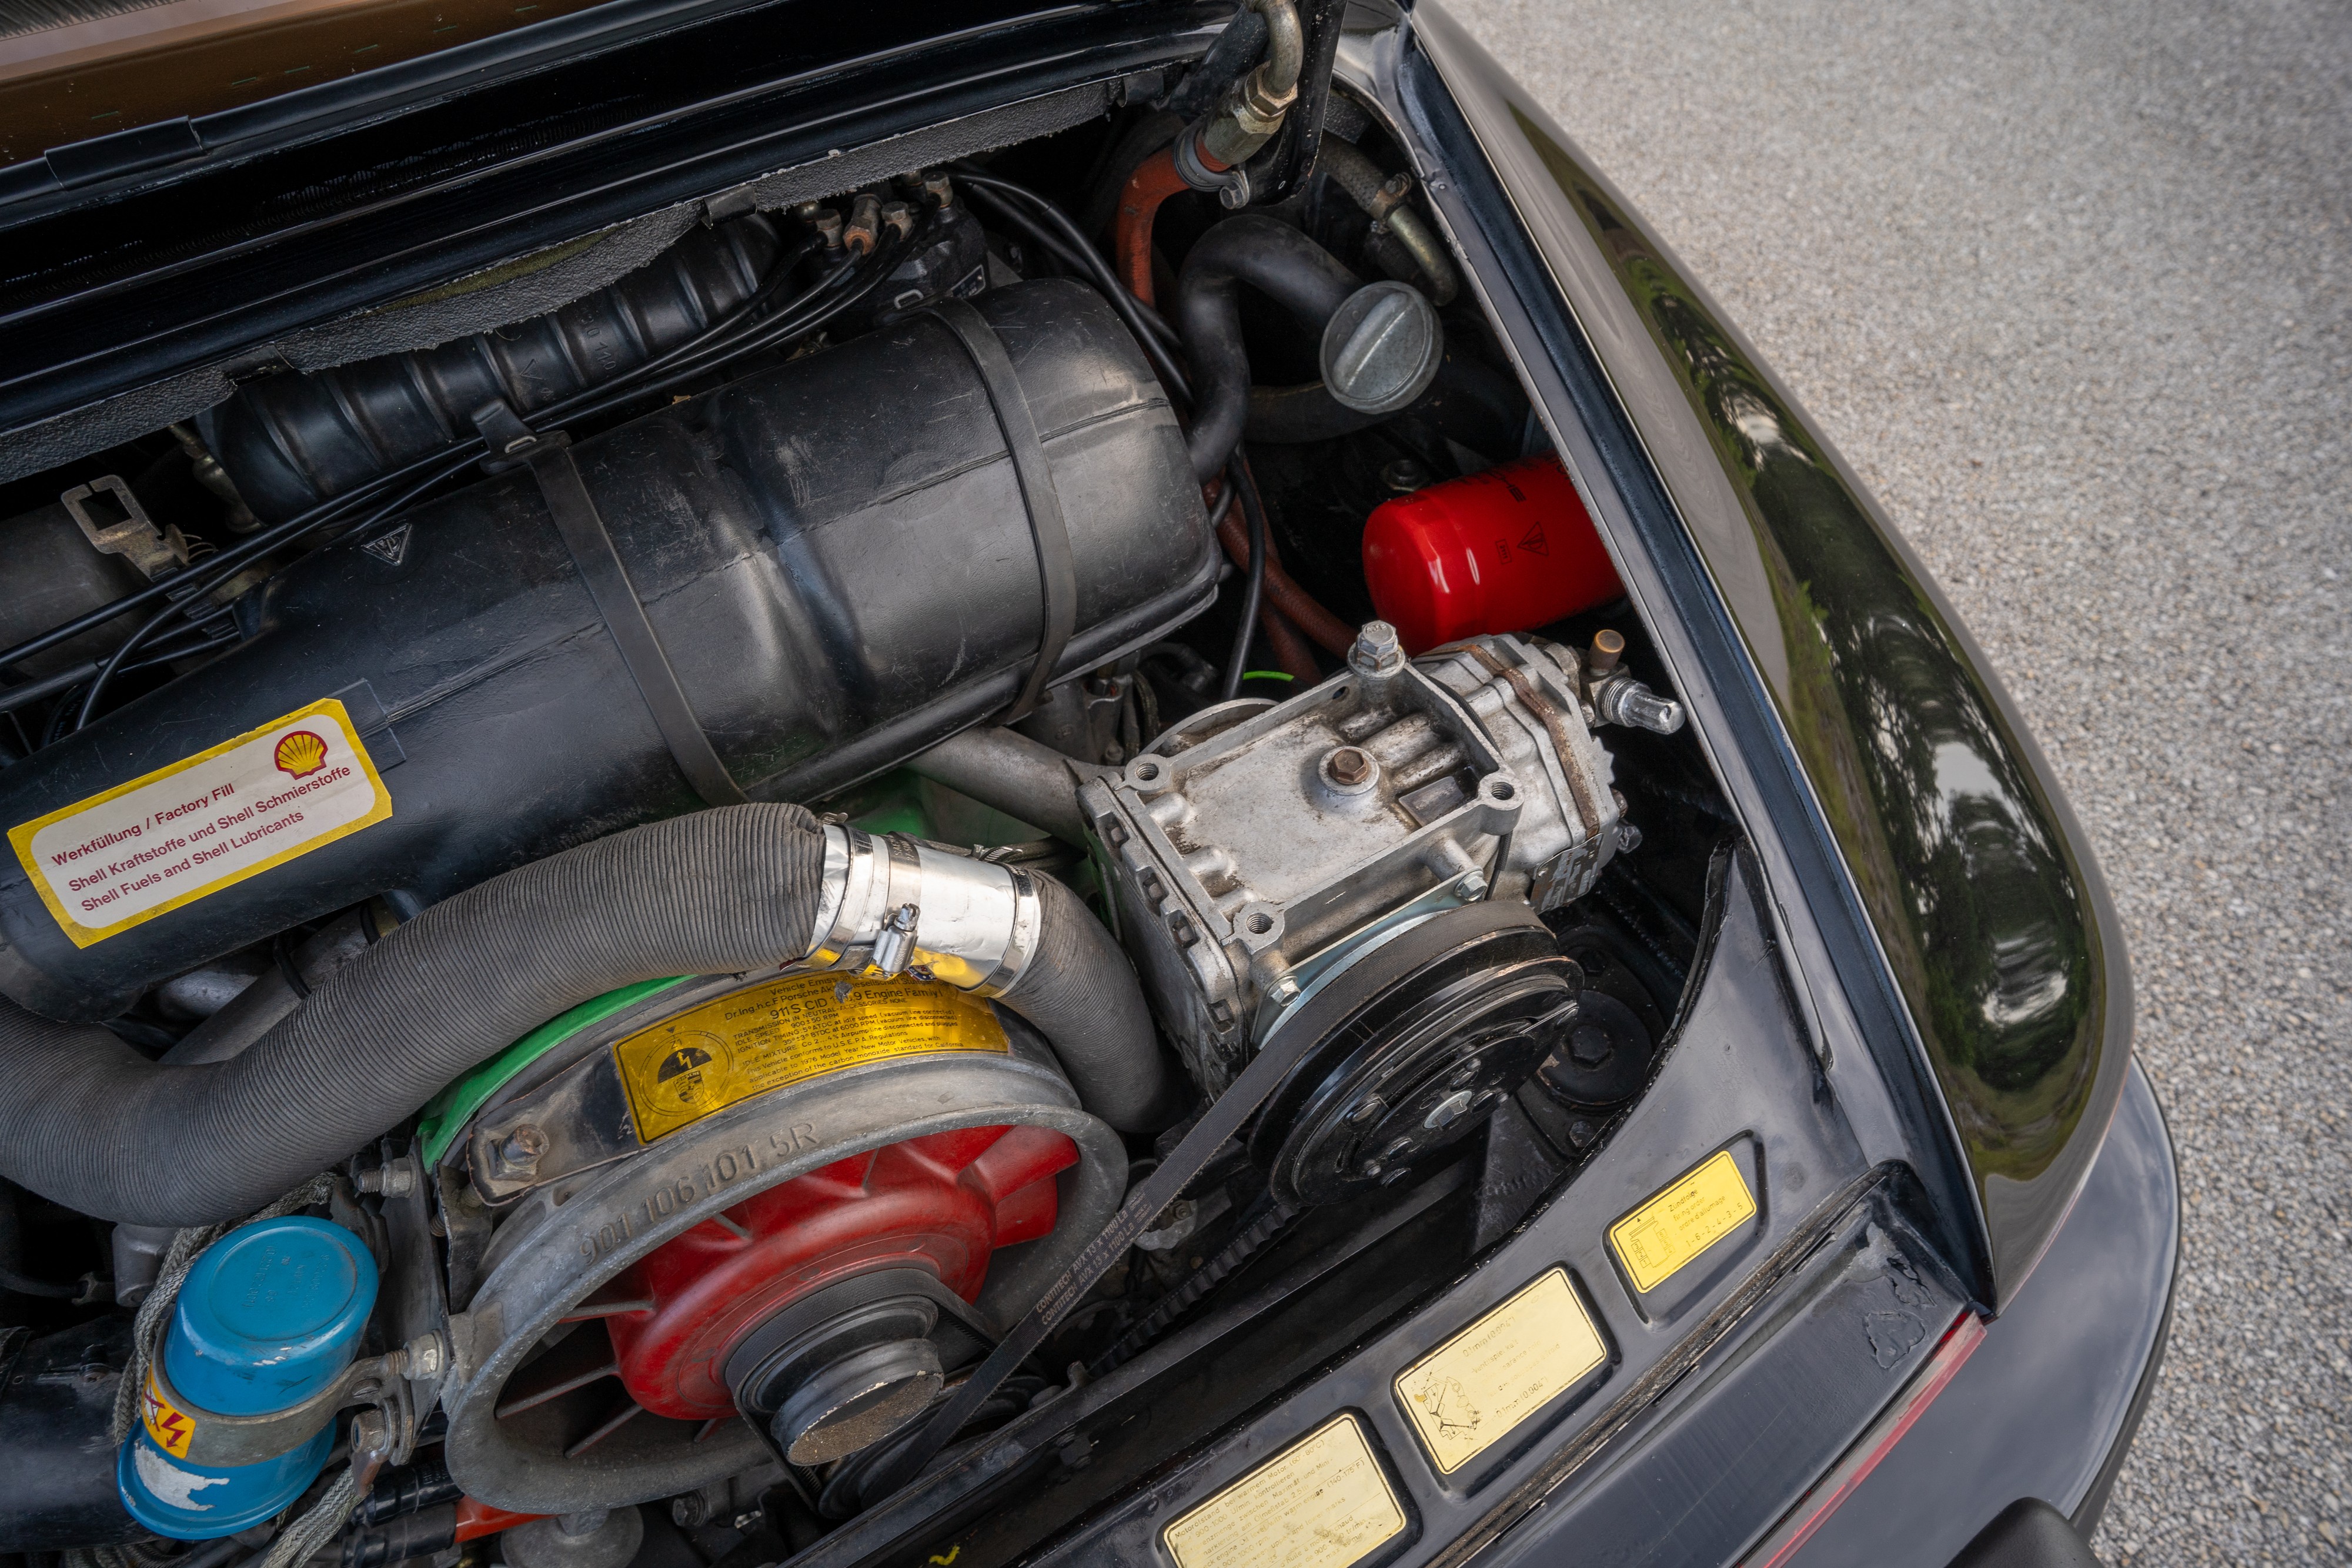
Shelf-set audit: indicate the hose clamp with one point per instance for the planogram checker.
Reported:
(895, 904)
(1198, 168)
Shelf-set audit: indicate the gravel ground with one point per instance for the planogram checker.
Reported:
(2068, 285)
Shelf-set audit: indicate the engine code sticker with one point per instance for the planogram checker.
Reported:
(786, 1031)
(1323, 1503)
(1471, 1392)
(146, 848)
(1656, 1239)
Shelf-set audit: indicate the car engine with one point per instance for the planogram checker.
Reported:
(625, 928)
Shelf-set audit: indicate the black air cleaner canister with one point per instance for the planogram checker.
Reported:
(836, 556)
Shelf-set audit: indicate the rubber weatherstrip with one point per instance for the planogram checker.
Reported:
(1058, 569)
(583, 533)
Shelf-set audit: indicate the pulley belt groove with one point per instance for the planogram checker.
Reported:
(1191, 1155)
(1058, 569)
(584, 535)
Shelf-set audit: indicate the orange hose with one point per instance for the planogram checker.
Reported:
(1154, 180)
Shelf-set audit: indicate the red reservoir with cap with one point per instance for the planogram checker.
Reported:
(1506, 550)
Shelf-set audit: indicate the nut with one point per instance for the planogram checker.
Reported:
(517, 1154)
(1377, 650)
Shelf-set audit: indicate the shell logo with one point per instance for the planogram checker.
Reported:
(300, 754)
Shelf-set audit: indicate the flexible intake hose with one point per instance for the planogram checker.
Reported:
(1280, 261)
(92, 1124)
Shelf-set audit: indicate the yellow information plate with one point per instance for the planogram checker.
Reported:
(1702, 1208)
(1323, 1503)
(750, 1041)
(169, 837)
(1469, 1393)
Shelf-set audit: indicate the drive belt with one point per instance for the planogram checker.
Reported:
(599, 564)
(1191, 1155)
(1057, 570)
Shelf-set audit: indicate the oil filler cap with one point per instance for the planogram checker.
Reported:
(1381, 347)
(269, 1316)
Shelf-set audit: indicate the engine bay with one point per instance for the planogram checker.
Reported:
(631, 930)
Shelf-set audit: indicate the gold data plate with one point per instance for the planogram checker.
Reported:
(1658, 1239)
(1323, 1503)
(1476, 1389)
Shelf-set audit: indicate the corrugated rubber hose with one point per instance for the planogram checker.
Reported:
(91, 1124)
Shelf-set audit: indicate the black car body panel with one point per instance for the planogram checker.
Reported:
(1977, 885)
(2046, 1406)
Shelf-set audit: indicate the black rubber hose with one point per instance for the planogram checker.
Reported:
(1280, 261)
(1082, 995)
(1252, 585)
(91, 1124)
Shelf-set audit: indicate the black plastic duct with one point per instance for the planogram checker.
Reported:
(834, 554)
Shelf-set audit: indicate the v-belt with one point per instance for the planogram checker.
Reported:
(1057, 570)
(548, 456)
(1186, 1160)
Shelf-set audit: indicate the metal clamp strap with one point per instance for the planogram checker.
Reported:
(1058, 569)
(616, 600)
(218, 1440)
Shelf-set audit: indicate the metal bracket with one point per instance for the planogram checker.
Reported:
(116, 524)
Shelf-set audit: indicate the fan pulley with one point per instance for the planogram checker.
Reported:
(1423, 1031)
(774, 1219)
(704, 1325)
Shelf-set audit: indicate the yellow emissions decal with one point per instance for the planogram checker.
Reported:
(1656, 1239)
(1323, 1503)
(787, 1032)
(171, 837)
(1471, 1392)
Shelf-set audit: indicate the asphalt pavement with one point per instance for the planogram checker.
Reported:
(2071, 287)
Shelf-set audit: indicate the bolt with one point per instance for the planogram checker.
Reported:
(518, 1152)
(689, 1511)
(1378, 650)
(1350, 765)
(1365, 1111)
(394, 1178)
(1473, 885)
(1283, 991)
(1608, 647)
(1404, 476)
(420, 1358)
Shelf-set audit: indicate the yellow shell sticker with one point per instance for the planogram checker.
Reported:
(166, 1423)
(1685, 1219)
(786, 1031)
(171, 837)
(1323, 1503)
(1471, 1392)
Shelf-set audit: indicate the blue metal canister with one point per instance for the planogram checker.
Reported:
(269, 1317)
